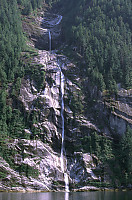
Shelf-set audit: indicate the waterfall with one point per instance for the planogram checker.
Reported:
(49, 41)
(66, 195)
(62, 117)
(66, 182)
(62, 146)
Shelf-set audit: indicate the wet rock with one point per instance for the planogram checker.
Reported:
(87, 188)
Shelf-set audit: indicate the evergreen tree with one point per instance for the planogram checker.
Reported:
(126, 155)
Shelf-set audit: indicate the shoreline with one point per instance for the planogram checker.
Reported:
(90, 189)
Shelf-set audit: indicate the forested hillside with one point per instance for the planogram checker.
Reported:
(101, 31)
(27, 6)
(12, 43)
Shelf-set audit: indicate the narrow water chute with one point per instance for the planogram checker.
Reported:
(66, 179)
(49, 40)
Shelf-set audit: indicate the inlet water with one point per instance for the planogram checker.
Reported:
(67, 195)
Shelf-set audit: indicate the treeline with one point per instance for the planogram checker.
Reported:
(101, 31)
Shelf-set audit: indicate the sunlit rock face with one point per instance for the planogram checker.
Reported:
(37, 156)
(41, 157)
(121, 116)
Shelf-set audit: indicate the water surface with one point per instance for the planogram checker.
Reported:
(67, 196)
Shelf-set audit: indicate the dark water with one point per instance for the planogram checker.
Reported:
(68, 196)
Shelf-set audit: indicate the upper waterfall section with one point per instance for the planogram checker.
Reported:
(52, 23)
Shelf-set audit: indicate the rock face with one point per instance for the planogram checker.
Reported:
(38, 156)
(45, 165)
(121, 112)
(80, 165)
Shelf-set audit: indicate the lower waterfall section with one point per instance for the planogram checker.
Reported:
(66, 182)
(62, 81)
(62, 118)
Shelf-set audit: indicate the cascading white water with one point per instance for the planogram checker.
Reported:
(62, 146)
(66, 195)
(62, 117)
(66, 182)
(49, 41)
